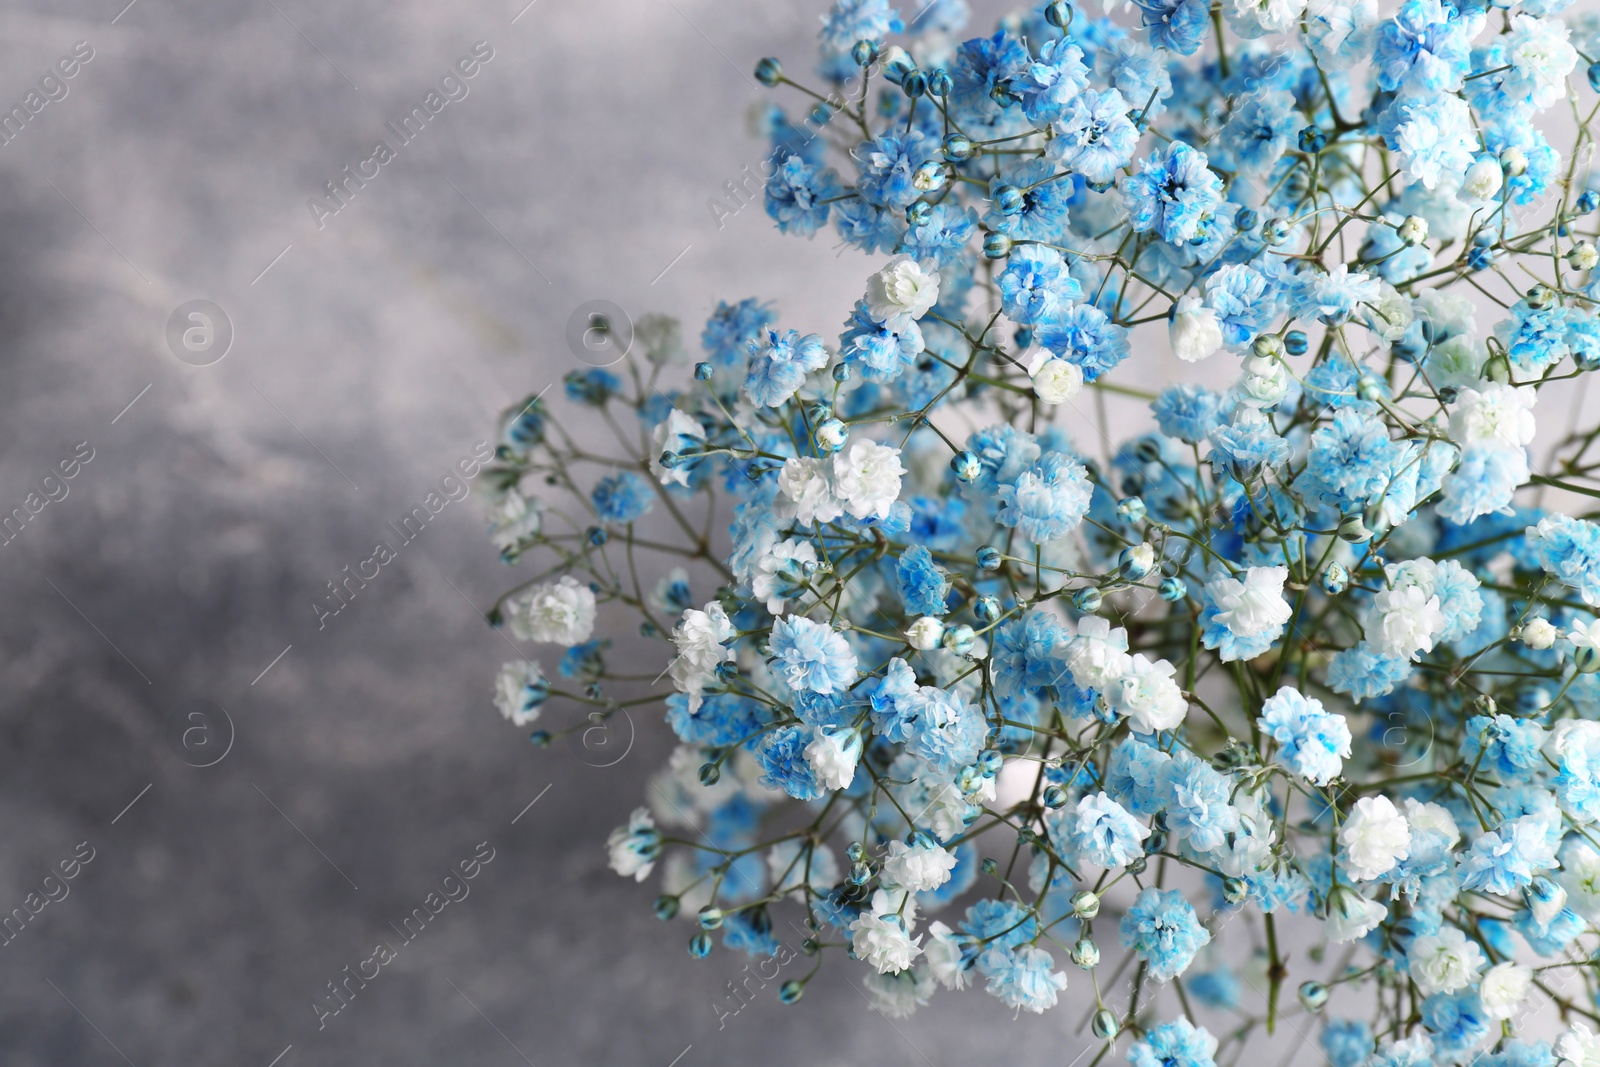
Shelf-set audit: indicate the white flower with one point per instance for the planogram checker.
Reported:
(1580, 877)
(1195, 331)
(519, 690)
(1404, 621)
(678, 432)
(1390, 315)
(1148, 694)
(764, 582)
(1352, 915)
(898, 995)
(918, 868)
(833, 756)
(1444, 962)
(1254, 606)
(559, 613)
(866, 478)
(1055, 381)
(1339, 32)
(1579, 1046)
(1504, 988)
(901, 292)
(944, 957)
(1495, 413)
(1483, 179)
(1258, 18)
(634, 847)
(1540, 58)
(881, 934)
(1585, 635)
(1098, 656)
(926, 633)
(1263, 382)
(1539, 633)
(514, 519)
(1422, 817)
(700, 637)
(1375, 837)
(808, 484)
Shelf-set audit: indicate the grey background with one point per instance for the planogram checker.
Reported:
(366, 361)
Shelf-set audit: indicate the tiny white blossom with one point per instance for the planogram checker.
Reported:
(514, 519)
(918, 868)
(833, 756)
(1444, 962)
(1352, 915)
(1055, 381)
(559, 613)
(1375, 836)
(1483, 179)
(1148, 694)
(1579, 1047)
(633, 848)
(1505, 986)
(764, 583)
(676, 433)
(519, 691)
(902, 291)
(866, 479)
(1098, 656)
(1404, 621)
(700, 637)
(945, 960)
(881, 934)
(1538, 633)
(925, 634)
(1494, 413)
(808, 483)
(1195, 331)
(1254, 606)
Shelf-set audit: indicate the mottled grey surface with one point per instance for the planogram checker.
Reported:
(367, 360)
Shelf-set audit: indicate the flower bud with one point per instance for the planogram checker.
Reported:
(1537, 633)
(966, 466)
(1354, 530)
(1056, 381)
(1136, 561)
(710, 917)
(864, 53)
(988, 557)
(1086, 954)
(925, 634)
(702, 372)
(1131, 509)
(1275, 231)
(1414, 230)
(987, 609)
(957, 148)
(831, 435)
(1484, 179)
(1314, 995)
(1008, 198)
(940, 83)
(928, 177)
(1105, 1025)
(1087, 600)
(1234, 890)
(1582, 256)
(769, 71)
(700, 945)
(791, 991)
(996, 245)
(960, 639)
(1085, 904)
(666, 908)
(1514, 161)
(914, 84)
(1054, 797)
(1335, 579)
(1173, 589)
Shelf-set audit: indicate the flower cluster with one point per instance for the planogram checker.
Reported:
(957, 694)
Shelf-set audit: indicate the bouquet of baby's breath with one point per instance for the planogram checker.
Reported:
(972, 707)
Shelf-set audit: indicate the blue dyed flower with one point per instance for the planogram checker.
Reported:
(799, 195)
(849, 21)
(1085, 335)
(1135, 775)
(1049, 84)
(784, 766)
(1196, 799)
(1246, 301)
(924, 586)
(1188, 412)
(622, 498)
(1095, 137)
(1176, 1044)
(1162, 928)
(1260, 129)
(1312, 742)
(1048, 501)
(1099, 831)
(888, 164)
(1360, 672)
(812, 657)
(731, 328)
(880, 351)
(1036, 286)
(1173, 194)
(1569, 550)
(779, 364)
(1504, 860)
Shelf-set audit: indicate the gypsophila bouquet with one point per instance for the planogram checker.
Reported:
(1319, 652)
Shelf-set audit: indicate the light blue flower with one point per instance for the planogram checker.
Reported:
(1173, 193)
(1162, 928)
(1312, 742)
(1085, 335)
(1048, 501)
(812, 657)
(1095, 137)
(1505, 859)
(1188, 412)
(1098, 831)
(1035, 286)
(779, 364)
(798, 196)
(1196, 800)
(622, 498)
